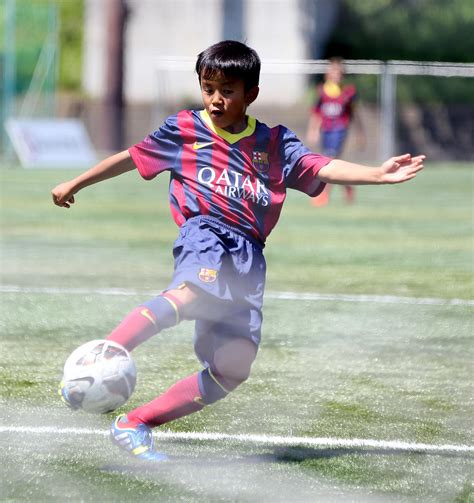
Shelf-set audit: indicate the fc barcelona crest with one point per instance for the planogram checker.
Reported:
(207, 275)
(260, 161)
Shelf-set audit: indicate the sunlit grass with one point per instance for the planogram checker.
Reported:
(324, 369)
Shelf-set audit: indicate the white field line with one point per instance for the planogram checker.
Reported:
(333, 297)
(322, 442)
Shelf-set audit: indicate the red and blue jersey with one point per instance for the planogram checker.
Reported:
(239, 179)
(335, 108)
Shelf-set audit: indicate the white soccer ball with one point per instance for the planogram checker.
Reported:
(99, 376)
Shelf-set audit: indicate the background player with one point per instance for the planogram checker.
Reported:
(229, 175)
(330, 119)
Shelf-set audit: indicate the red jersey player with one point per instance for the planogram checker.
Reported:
(330, 119)
(229, 175)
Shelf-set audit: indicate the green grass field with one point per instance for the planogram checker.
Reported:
(372, 341)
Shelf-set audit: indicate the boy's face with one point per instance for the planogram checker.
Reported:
(335, 73)
(226, 101)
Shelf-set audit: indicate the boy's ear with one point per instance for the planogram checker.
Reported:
(251, 95)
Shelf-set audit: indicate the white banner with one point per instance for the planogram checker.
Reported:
(51, 143)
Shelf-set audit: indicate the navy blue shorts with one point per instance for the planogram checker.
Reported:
(230, 269)
(333, 141)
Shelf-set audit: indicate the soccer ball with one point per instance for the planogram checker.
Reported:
(99, 377)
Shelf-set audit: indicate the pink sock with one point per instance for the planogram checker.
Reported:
(137, 327)
(181, 399)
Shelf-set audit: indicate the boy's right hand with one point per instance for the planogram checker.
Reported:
(63, 195)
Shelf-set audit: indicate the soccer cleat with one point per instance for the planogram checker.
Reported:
(67, 398)
(137, 440)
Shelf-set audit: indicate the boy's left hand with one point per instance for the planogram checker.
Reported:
(401, 168)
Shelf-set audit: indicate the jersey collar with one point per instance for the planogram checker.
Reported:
(229, 137)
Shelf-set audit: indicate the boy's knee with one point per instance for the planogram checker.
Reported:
(215, 384)
(233, 361)
(211, 387)
(233, 376)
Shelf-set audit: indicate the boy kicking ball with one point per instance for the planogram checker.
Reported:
(228, 179)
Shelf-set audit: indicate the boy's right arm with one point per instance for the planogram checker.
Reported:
(115, 165)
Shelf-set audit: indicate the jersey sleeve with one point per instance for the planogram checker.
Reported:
(304, 175)
(158, 151)
(301, 166)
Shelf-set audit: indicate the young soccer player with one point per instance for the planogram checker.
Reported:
(330, 119)
(229, 175)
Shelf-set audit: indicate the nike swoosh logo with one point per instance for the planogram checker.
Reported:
(148, 316)
(197, 145)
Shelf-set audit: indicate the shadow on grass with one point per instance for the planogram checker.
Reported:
(277, 455)
(299, 454)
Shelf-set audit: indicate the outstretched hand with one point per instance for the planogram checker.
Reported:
(401, 168)
(63, 195)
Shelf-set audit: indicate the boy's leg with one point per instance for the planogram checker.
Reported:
(233, 361)
(323, 198)
(349, 193)
(163, 311)
(139, 325)
(230, 367)
(238, 319)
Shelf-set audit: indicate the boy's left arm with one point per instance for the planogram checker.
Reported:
(394, 170)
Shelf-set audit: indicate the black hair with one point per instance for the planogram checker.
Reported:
(232, 59)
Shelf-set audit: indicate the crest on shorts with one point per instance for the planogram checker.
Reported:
(207, 275)
(260, 161)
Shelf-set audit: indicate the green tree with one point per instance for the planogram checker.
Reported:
(423, 30)
(419, 30)
(33, 21)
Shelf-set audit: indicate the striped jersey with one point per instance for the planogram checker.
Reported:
(240, 179)
(335, 106)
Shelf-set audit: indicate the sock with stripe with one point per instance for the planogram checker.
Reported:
(146, 320)
(187, 396)
(181, 399)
